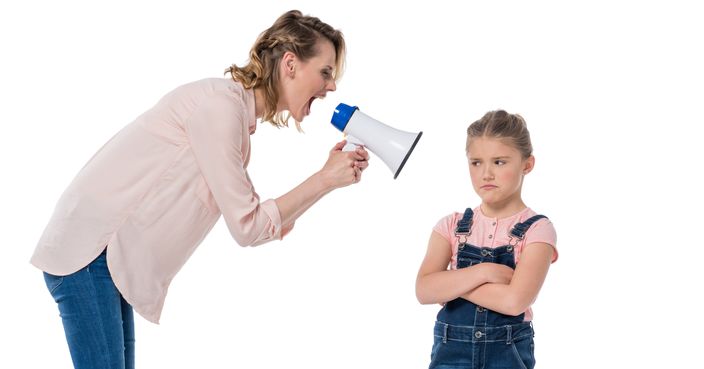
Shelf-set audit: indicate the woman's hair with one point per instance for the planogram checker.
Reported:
(292, 32)
(510, 128)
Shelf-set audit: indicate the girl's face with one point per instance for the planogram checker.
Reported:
(497, 170)
(303, 82)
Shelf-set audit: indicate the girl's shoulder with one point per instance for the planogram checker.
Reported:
(542, 230)
(529, 213)
(445, 226)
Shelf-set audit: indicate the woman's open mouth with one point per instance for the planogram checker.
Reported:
(310, 102)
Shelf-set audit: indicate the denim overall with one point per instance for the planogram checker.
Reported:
(467, 335)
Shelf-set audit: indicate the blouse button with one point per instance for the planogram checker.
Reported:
(491, 236)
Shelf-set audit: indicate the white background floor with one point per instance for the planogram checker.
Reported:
(611, 91)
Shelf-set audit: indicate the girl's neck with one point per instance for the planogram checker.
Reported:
(502, 210)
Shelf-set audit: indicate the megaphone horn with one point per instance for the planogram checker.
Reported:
(392, 145)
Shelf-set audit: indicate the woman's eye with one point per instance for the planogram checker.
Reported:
(499, 162)
(475, 163)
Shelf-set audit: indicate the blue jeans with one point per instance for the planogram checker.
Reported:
(98, 322)
(468, 347)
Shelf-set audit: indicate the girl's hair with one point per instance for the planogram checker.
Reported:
(510, 128)
(292, 32)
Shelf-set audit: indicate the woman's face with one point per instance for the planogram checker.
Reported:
(303, 82)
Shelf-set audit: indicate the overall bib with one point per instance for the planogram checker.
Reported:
(467, 335)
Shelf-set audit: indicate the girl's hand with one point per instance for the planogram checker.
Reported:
(496, 273)
(344, 168)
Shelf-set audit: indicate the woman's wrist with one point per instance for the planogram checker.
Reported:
(323, 182)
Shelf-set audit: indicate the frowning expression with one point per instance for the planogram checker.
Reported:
(497, 169)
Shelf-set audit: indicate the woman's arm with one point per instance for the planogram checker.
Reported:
(341, 169)
(515, 297)
(436, 284)
(217, 134)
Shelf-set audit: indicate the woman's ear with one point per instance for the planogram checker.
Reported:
(288, 64)
(528, 164)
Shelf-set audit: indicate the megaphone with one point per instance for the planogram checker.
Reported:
(392, 145)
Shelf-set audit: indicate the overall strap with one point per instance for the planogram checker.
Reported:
(519, 230)
(464, 225)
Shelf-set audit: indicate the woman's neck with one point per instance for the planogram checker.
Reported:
(258, 102)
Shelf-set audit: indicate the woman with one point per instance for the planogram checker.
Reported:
(139, 208)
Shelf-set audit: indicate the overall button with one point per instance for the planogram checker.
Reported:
(480, 309)
(478, 334)
(486, 252)
(509, 249)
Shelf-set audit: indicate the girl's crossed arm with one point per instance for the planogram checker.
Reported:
(436, 284)
(515, 297)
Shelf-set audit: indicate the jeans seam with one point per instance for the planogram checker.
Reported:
(58, 285)
(61, 281)
(518, 356)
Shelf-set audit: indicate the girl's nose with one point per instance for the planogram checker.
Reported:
(488, 174)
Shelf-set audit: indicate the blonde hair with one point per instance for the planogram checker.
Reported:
(510, 128)
(292, 32)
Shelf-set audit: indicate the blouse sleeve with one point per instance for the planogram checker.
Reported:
(217, 132)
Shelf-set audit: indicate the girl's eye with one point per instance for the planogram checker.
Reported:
(475, 163)
(327, 74)
(500, 162)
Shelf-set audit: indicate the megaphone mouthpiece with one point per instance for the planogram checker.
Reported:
(342, 115)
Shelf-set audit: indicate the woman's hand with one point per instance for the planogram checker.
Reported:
(344, 168)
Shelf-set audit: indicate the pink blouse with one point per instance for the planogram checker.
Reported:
(155, 190)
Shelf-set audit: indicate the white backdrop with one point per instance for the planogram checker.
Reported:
(611, 91)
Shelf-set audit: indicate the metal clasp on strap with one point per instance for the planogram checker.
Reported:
(514, 240)
(460, 236)
(519, 229)
(516, 234)
(464, 227)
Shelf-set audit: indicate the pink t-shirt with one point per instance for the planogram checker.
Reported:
(494, 232)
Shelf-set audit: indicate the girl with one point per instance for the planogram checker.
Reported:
(486, 318)
(139, 208)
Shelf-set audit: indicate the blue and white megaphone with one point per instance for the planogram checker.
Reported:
(393, 146)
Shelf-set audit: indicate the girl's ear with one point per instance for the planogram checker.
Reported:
(528, 164)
